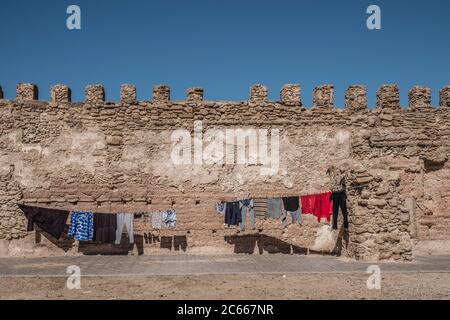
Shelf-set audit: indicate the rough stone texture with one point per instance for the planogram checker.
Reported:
(324, 97)
(419, 97)
(128, 93)
(26, 92)
(444, 97)
(356, 98)
(388, 97)
(290, 95)
(258, 94)
(60, 94)
(94, 94)
(161, 93)
(380, 220)
(110, 157)
(194, 94)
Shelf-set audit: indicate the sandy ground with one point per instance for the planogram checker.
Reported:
(223, 287)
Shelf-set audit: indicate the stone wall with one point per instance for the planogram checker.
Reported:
(116, 157)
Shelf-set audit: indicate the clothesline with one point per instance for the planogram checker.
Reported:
(321, 205)
(208, 196)
(87, 226)
(137, 212)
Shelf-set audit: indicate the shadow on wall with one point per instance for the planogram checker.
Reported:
(246, 244)
(262, 243)
(171, 243)
(63, 243)
(258, 244)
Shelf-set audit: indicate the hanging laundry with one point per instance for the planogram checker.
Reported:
(81, 226)
(169, 218)
(339, 200)
(220, 207)
(144, 216)
(124, 220)
(308, 204)
(105, 226)
(156, 220)
(247, 205)
(291, 207)
(291, 204)
(318, 205)
(260, 208)
(233, 214)
(324, 206)
(274, 208)
(52, 221)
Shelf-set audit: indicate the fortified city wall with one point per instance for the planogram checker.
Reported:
(116, 157)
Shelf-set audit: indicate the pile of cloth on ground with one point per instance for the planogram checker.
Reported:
(89, 226)
(321, 205)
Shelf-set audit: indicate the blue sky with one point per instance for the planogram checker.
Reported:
(224, 46)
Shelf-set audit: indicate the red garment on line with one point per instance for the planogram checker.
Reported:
(308, 204)
(320, 205)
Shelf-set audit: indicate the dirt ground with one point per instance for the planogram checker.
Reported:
(239, 287)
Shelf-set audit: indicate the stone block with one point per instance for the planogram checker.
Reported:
(324, 97)
(290, 95)
(419, 97)
(128, 93)
(94, 94)
(161, 93)
(388, 97)
(258, 94)
(444, 97)
(26, 92)
(60, 94)
(195, 94)
(356, 98)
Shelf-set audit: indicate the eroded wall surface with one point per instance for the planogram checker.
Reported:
(116, 157)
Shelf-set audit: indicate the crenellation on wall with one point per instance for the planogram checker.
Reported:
(115, 157)
(94, 94)
(194, 94)
(356, 98)
(128, 94)
(161, 93)
(444, 97)
(258, 94)
(419, 97)
(323, 97)
(1, 93)
(60, 93)
(388, 97)
(290, 95)
(26, 92)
